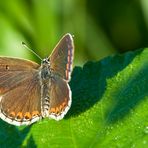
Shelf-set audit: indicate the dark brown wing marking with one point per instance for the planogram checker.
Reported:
(16, 64)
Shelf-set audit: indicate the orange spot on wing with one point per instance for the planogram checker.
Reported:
(12, 114)
(52, 110)
(67, 74)
(35, 113)
(64, 103)
(69, 52)
(19, 115)
(67, 66)
(69, 59)
(27, 115)
(55, 110)
(59, 109)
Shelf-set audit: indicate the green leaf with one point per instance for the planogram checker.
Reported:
(109, 108)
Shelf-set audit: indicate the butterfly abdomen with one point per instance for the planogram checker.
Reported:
(45, 99)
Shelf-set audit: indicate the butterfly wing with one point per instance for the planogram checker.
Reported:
(19, 91)
(62, 57)
(60, 98)
(61, 61)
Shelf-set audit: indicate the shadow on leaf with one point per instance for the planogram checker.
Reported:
(88, 84)
(31, 142)
(12, 136)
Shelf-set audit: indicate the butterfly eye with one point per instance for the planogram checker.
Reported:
(48, 60)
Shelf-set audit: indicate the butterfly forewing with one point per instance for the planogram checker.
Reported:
(13, 71)
(16, 64)
(62, 57)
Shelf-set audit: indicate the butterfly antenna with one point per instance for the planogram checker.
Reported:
(31, 50)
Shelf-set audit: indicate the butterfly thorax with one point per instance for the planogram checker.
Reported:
(45, 70)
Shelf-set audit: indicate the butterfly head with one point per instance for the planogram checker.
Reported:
(46, 61)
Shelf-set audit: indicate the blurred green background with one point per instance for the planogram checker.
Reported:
(100, 27)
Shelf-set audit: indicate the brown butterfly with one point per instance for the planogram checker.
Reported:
(29, 92)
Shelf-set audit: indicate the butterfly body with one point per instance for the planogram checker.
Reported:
(45, 82)
(30, 92)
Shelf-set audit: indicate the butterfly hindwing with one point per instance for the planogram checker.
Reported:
(19, 91)
(60, 98)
